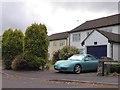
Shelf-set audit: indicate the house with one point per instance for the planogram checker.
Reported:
(99, 37)
(57, 41)
(104, 44)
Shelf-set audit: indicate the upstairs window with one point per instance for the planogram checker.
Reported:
(76, 37)
(62, 43)
(108, 30)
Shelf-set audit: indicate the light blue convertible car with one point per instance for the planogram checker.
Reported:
(77, 63)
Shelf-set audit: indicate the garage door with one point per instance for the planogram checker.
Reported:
(97, 51)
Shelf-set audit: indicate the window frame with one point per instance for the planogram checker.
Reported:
(62, 43)
(76, 37)
(54, 43)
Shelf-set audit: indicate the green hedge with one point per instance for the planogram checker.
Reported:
(115, 68)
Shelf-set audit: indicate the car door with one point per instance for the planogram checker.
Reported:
(90, 62)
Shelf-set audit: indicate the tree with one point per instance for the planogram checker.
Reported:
(36, 46)
(0, 41)
(12, 45)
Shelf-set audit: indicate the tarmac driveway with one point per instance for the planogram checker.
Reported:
(53, 75)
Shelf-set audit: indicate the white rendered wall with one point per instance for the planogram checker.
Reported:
(100, 39)
(116, 51)
(78, 44)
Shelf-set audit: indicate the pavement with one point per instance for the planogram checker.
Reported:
(53, 76)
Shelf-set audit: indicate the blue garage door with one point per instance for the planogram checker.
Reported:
(98, 51)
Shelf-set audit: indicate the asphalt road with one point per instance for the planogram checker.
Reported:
(23, 82)
(39, 79)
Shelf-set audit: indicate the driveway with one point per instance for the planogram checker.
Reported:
(51, 76)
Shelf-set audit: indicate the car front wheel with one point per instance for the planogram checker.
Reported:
(77, 69)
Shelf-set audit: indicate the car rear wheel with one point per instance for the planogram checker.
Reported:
(77, 69)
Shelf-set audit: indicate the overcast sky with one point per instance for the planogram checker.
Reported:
(58, 16)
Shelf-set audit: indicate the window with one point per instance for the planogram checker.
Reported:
(76, 37)
(90, 58)
(54, 44)
(108, 29)
(95, 43)
(62, 43)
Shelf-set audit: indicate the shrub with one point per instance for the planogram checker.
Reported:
(12, 45)
(19, 63)
(115, 68)
(65, 53)
(55, 57)
(36, 46)
(68, 51)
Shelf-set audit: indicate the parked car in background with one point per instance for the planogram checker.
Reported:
(77, 63)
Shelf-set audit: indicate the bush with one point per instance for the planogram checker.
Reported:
(36, 46)
(19, 63)
(12, 45)
(115, 68)
(65, 53)
(55, 57)
(34, 62)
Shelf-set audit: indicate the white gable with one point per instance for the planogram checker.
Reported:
(96, 37)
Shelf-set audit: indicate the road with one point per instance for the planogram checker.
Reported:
(39, 79)
(24, 82)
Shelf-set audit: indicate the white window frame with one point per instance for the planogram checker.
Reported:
(62, 43)
(76, 37)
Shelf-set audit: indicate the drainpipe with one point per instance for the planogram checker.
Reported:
(111, 49)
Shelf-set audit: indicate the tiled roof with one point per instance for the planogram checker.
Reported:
(112, 37)
(58, 36)
(98, 23)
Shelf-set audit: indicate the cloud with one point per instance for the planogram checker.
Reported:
(89, 6)
(0, 18)
(20, 15)
(57, 16)
(14, 16)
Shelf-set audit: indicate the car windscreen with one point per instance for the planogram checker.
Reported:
(76, 57)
